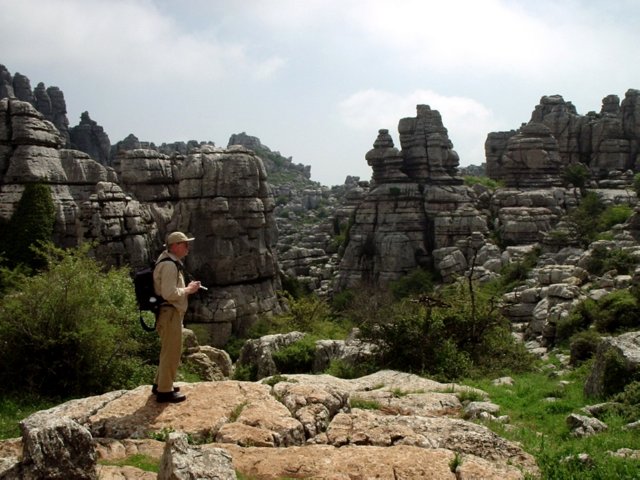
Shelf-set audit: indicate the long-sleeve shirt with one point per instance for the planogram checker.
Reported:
(168, 281)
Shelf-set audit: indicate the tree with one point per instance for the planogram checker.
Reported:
(32, 223)
(576, 175)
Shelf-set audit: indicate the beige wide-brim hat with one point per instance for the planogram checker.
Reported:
(177, 237)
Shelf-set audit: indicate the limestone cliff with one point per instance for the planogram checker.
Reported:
(417, 204)
(220, 196)
(557, 136)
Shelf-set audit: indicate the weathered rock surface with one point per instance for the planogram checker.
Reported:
(219, 196)
(417, 205)
(557, 136)
(617, 358)
(89, 137)
(301, 427)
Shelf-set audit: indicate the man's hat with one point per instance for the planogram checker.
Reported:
(177, 237)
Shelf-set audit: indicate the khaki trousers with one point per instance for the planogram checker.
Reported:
(169, 327)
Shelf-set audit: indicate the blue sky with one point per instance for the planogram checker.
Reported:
(316, 79)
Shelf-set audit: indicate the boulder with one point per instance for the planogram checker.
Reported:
(180, 461)
(617, 362)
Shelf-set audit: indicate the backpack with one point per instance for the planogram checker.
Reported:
(148, 300)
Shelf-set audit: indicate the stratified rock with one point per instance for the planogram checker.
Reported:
(50, 102)
(89, 137)
(386, 161)
(22, 88)
(557, 136)
(428, 153)
(6, 83)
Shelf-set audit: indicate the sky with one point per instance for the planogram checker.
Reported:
(316, 79)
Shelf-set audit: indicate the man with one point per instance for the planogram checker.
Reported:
(169, 282)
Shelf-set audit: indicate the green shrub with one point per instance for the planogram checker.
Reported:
(614, 215)
(491, 184)
(583, 346)
(292, 286)
(73, 330)
(576, 175)
(417, 282)
(516, 273)
(603, 259)
(580, 318)
(296, 357)
(341, 369)
(369, 304)
(592, 217)
(636, 184)
(616, 373)
(245, 373)
(618, 311)
(340, 301)
(30, 225)
(447, 342)
(628, 402)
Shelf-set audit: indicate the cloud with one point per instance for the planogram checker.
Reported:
(130, 40)
(467, 120)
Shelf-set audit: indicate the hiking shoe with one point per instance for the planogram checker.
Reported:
(154, 389)
(170, 397)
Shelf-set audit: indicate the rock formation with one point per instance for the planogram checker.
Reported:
(556, 136)
(220, 196)
(417, 206)
(303, 426)
(89, 137)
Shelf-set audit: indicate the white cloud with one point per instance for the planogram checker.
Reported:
(126, 39)
(467, 120)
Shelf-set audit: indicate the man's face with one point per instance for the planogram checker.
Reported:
(180, 249)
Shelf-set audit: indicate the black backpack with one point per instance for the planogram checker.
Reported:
(148, 300)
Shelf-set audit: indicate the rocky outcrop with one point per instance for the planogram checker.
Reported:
(89, 203)
(90, 138)
(417, 205)
(219, 196)
(557, 136)
(303, 426)
(617, 362)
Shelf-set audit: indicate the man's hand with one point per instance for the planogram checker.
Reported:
(192, 288)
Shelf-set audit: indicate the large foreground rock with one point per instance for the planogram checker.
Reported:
(302, 427)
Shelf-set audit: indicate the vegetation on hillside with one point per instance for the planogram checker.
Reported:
(72, 330)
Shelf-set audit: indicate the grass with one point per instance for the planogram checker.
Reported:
(365, 404)
(143, 462)
(539, 425)
(13, 410)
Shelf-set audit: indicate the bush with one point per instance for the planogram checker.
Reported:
(296, 357)
(583, 346)
(614, 215)
(579, 319)
(32, 223)
(341, 369)
(73, 330)
(618, 311)
(603, 259)
(448, 341)
(416, 282)
(491, 184)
